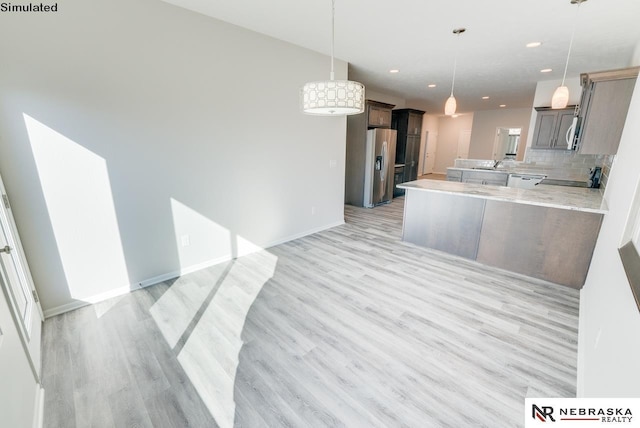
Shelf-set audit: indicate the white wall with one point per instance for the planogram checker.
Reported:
(448, 132)
(383, 97)
(485, 123)
(129, 125)
(609, 335)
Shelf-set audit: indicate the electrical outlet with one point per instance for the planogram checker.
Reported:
(313, 210)
(185, 240)
(333, 163)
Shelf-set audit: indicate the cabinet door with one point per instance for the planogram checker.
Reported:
(415, 124)
(564, 122)
(543, 136)
(411, 158)
(409, 162)
(379, 117)
(605, 116)
(385, 118)
(374, 116)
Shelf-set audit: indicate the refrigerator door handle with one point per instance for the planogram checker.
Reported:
(385, 154)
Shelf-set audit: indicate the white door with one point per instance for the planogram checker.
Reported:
(18, 285)
(464, 138)
(429, 160)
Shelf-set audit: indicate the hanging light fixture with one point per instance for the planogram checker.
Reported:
(451, 104)
(560, 97)
(332, 97)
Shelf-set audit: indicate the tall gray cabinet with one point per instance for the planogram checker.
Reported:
(408, 123)
(603, 109)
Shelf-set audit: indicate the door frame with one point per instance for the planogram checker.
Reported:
(5, 206)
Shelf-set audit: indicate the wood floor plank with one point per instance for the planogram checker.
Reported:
(348, 327)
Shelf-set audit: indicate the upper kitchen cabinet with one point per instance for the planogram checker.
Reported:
(378, 114)
(552, 128)
(408, 123)
(603, 109)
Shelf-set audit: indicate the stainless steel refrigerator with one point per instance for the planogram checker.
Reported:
(379, 159)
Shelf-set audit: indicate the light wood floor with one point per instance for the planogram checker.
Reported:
(433, 176)
(350, 327)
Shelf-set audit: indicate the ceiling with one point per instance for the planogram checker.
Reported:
(415, 37)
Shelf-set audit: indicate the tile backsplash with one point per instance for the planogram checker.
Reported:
(566, 164)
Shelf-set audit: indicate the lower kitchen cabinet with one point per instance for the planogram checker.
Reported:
(494, 178)
(454, 174)
(398, 178)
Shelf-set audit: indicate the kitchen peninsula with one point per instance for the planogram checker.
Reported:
(548, 232)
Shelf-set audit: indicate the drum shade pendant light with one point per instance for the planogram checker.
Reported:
(451, 104)
(560, 97)
(332, 97)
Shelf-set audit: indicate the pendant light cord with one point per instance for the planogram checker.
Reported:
(455, 60)
(455, 65)
(333, 34)
(573, 33)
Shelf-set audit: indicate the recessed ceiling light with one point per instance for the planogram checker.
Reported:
(533, 44)
(454, 115)
(503, 105)
(432, 85)
(394, 71)
(485, 98)
(546, 70)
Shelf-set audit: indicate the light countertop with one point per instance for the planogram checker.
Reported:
(550, 173)
(563, 197)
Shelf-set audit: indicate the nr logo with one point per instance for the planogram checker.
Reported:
(542, 413)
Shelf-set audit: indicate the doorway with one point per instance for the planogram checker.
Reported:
(21, 396)
(506, 143)
(464, 139)
(18, 285)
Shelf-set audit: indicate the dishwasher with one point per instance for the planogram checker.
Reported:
(525, 181)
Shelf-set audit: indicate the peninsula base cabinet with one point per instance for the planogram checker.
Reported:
(548, 243)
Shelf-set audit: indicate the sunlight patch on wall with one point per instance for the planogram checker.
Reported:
(77, 192)
(198, 239)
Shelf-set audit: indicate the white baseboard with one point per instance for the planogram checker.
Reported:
(119, 291)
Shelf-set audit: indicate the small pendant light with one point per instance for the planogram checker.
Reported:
(451, 104)
(332, 97)
(560, 97)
